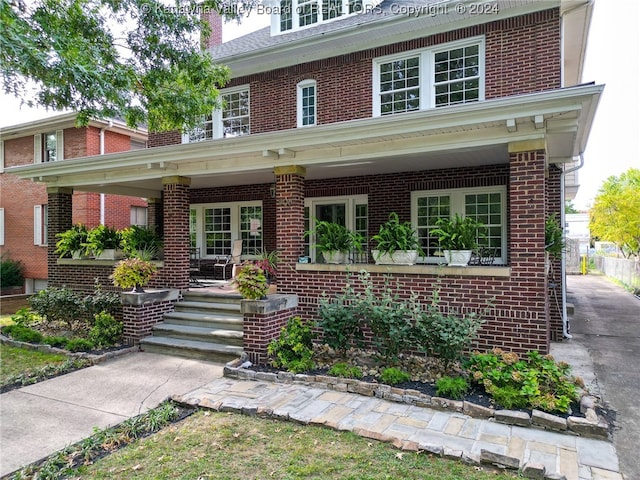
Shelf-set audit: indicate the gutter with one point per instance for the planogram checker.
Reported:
(563, 265)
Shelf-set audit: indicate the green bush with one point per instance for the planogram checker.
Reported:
(101, 301)
(393, 376)
(106, 330)
(25, 317)
(59, 342)
(452, 387)
(59, 306)
(341, 321)
(11, 272)
(293, 350)
(21, 333)
(344, 370)
(80, 345)
(534, 381)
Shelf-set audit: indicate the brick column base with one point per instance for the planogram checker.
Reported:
(141, 311)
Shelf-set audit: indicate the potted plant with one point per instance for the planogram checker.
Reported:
(458, 236)
(251, 281)
(72, 242)
(396, 243)
(133, 273)
(334, 241)
(268, 262)
(141, 242)
(105, 243)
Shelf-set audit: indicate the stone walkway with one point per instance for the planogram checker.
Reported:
(539, 453)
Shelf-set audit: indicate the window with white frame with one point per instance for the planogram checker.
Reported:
(40, 224)
(351, 212)
(307, 101)
(48, 147)
(138, 216)
(442, 75)
(214, 227)
(296, 14)
(486, 205)
(232, 120)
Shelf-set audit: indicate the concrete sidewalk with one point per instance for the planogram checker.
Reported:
(40, 419)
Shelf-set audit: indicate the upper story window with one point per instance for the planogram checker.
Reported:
(48, 147)
(233, 120)
(442, 75)
(296, 14)
(307, 103)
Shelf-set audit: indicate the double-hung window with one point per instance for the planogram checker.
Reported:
(307, 102)
(232, 120)
(486, 205)
(293, 15)
(442, 75)
(48, 147)
(214, 227)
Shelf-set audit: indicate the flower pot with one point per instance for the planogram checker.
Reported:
(457, 258)
(335, 257)
(110, 254)
(79, 255)
(400, 257)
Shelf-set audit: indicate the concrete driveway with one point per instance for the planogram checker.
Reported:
(40, 419)
(607, 322)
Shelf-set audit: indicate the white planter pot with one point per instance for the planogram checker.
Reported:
(401, 257)
(457, 258)
(79, 255)
(335, 257)
(110, 254)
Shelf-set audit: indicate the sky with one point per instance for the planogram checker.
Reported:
(612, 58)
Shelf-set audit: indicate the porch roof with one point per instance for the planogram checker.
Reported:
(450, 137)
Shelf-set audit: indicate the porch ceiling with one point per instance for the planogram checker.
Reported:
(457, 136)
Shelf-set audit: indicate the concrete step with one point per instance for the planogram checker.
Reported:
(197, 306)
(200, 334)
(210, 320)
(207, 297)
(213, 352)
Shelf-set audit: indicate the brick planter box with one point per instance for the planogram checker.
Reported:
(141, 311)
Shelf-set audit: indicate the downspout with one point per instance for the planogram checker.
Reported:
(563, 264)
(102, 148)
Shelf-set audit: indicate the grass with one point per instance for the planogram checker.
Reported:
(17, 361)
(210, 445)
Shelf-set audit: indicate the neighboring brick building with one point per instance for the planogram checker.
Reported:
(24, 203)
(355, 110)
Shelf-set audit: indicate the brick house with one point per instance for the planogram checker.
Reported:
(24, 204)
(351, 110)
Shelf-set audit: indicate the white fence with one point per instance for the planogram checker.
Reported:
(622, 269)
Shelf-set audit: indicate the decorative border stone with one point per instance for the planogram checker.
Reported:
(590, 426)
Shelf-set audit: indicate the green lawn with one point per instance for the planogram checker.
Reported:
(211, 445)
(17, 361)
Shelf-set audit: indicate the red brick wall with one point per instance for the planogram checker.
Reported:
(139, 320)
(522, 56)
(260, 329)
(175, 273)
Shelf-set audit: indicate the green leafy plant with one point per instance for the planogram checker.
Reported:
(11, 272)
(393, 376)
(56, 341)
(340, 320)
(553, 237)
(459, 233)
(25, 317)
(80, 345)
(533, 381)
(333, 237)
(268, 262)
(60, 308)
(293, 349)
(101, 301)
(133, 273)
(395, 236)
(106, 330)
(72, 241)
(102, 238)
(452, 387)
(251, 281)
(345, 370)
(21, 333)
(140, 242)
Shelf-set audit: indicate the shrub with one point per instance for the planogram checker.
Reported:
(293, 350)
(25, 317)
(344, 370)
(59, 306)
(80, 345)
(101, 301)
(251, 281)
(21, 333)
(133, 273)
(393, 376)
(59, 342)
(534, 381)
(11, 272)
(452, 387)
(341, 321)
(106, 330)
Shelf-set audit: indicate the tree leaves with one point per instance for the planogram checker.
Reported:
(139, 60)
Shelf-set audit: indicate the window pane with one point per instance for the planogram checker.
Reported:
(50, 142)
(251, 228)
(286, 15)
(456, 76)
(235, 114)
(429, 210)
(218, 231)
(482, 204)
(400, 86)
